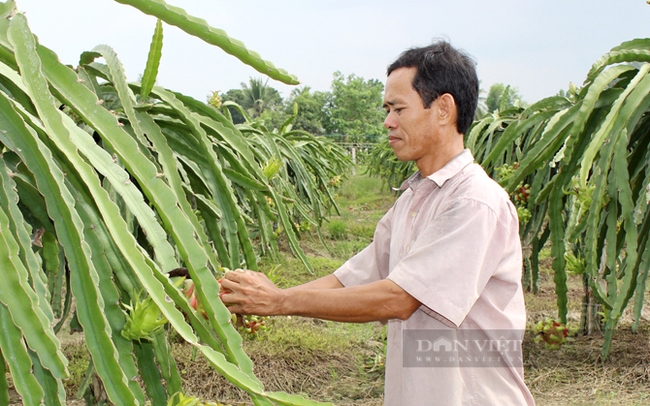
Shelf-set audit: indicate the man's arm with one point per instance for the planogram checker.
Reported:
(251, 292)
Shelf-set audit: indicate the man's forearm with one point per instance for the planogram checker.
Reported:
(248, 292)
(377, 301)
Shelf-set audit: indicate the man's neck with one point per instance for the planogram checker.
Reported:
(445, 154)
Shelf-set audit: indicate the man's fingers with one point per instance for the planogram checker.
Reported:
(228, 298)
(230, 284)
(236, 276)
(233, 305)
(227, 284)
(246, 292)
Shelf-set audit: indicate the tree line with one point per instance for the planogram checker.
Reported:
(351, 109)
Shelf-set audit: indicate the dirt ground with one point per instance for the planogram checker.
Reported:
(576, 375)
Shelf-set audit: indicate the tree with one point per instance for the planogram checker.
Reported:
(235, 96)
(501, 97)
(354, 108)
(310, 108)
(256, 97)
(259, 96)
(274, 118)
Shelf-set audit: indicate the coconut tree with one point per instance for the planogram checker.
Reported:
(258, 96)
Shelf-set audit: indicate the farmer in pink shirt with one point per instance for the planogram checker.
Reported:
(444, 267)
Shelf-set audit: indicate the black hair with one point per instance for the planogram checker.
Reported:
(443, 69)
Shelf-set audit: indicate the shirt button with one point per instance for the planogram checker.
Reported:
(414, 213)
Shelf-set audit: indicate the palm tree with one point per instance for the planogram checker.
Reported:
(258, 96)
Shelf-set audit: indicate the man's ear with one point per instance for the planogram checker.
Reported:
(447, 108)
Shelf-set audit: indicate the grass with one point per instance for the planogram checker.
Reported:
(78, 358)
(289, 271)
(338, 229)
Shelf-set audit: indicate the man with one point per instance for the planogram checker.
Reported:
(444, 266)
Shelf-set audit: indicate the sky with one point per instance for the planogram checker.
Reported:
(538, 47)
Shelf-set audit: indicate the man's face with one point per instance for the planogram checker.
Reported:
(413, 130)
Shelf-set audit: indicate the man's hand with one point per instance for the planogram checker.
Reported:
(249, 292)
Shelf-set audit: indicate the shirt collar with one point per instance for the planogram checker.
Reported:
(452, 168)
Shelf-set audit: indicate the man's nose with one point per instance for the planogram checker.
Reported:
(389, 121)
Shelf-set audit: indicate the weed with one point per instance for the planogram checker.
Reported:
(289, 271)
(362, 231)
(347, 249)
(296, 335)
(338, 229)
(274, 274)
(78, 360)
(375, 365)
(361, 189)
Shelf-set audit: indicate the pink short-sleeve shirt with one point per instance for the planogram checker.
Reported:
(452, 242)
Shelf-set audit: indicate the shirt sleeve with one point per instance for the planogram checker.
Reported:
(452, 259)
(371, 264)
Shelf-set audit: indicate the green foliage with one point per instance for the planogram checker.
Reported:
(259, 97)
(292, 333)
(79, 362)
(199, 28)
(502, 97)
(352, 110)
(310, 107)
(258, 100)
(143, 319)
(117, 191)
(236, 96)
(337, 229)
(481, 107)
(382, 163)
(360, 190)
(585, 156)
(287, 271)
(274, 118)
(153, 61)
(355, 108)
(310, 163)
